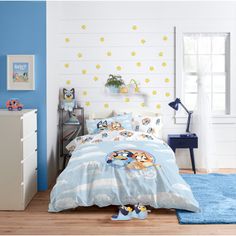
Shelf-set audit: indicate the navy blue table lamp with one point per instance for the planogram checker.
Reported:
(175, 106)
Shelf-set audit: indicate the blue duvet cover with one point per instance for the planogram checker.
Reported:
(120, 168)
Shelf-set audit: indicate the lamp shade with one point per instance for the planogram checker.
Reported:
(175, 104)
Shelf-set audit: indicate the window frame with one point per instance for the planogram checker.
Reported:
(212, 73)
(225, 27)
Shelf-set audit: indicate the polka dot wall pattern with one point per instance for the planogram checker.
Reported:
(142, 50)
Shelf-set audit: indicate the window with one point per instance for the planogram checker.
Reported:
(211, 50)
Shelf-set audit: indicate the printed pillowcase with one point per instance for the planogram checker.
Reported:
(148, 124)
(113, 123)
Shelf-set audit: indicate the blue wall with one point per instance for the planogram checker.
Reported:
(23, 31)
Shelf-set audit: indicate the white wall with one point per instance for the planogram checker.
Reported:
(52, 93)
(76, 27)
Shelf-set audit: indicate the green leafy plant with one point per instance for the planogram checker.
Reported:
(115, 81)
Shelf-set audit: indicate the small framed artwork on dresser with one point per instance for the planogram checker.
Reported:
(20, 72)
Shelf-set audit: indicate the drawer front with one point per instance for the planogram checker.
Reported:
(183, 143)
(29, 178)
(29, 124)
(29, 145)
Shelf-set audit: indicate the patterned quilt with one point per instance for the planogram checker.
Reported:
(121, 167)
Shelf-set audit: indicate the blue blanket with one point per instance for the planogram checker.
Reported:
(121, 170)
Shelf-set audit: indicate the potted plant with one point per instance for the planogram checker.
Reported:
(114, 82)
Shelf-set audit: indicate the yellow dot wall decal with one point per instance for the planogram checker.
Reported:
(142, 41)
(84, 72)
(167, 80)
(164, 64)
(83, 27)
(119, 68)
(165, 38)
(151, 68)
(109, 53)
(167, 94)
(98, 66)
(106, 105)
(79, 55)
(138, 64)
(144, 60)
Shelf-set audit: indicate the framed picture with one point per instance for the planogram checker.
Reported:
(20, 72)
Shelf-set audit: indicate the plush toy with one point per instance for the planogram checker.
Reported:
(140, 212)
(68, 102)
(125, 213)
(129, 213)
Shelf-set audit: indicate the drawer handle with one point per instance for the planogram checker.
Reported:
(29, 156)
(28, 136)
(36, 150)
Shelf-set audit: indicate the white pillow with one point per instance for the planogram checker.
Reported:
(145, 121)
(149, 124)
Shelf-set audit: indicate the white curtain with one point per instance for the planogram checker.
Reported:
(202, 122)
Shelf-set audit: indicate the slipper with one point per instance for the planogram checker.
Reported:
(140, 212)
(125, 213)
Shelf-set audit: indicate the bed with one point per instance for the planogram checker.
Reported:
(119, 164)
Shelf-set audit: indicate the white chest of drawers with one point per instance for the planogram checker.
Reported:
(18, 158)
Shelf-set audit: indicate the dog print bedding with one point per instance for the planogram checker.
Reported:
(120, 167)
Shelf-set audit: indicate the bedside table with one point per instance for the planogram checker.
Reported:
(189, 141)
(68, 131)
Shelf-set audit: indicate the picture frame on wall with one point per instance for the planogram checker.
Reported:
(20, 72)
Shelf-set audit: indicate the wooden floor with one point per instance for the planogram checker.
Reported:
(93, 220)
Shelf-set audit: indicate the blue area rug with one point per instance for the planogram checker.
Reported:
(216, 194)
